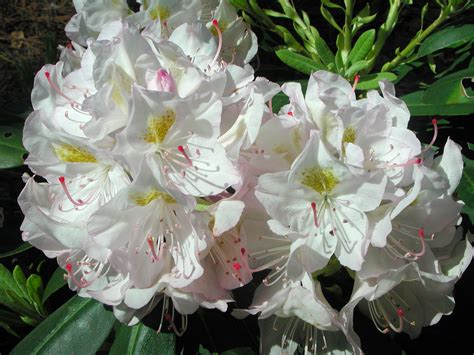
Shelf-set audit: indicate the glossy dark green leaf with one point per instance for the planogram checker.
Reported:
(141, 340)
(447, 96)
(362, 46)
(297, 61)
(20, 249)
(419, 107)
(55, 283)
(11, 147)
(80, 326)
(448, 37)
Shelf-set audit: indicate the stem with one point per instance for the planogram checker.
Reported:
(444, 14)
(347, 32)
(384, 31)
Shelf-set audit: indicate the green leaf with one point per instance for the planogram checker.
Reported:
(449, 37)
(34, 286)
(275, 14)
(356, 67)
(20, 281)
(465, 190)
(362, 47)
(330, 19)
(13, 293)
(447, 96)
(280, 99)
(324, 52)
(240, 4)
(297, 61)
(79, 326)
(371, 81)
(141, 340)
(20, 249)
(55, 283)
(11, 147)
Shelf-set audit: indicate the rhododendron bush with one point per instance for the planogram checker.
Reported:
(166, 173)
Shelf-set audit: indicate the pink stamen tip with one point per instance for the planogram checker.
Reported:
(421, 233)
(185, 155)
(242, 251)
(215, 22)
(434, 121)
(315, 214)
(290, 113)
(62, 179)
(236, 266)
(418, 161)
(47, 74)
(356, 81)
(69, 267)
(400, 312)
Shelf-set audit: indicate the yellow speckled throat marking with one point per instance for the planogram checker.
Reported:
(349, 135)
(158, 126)
(320, 180)
(143, 199)
(72, 154)
(159, 12)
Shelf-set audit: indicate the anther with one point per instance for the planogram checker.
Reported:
(236, 266)
(185, 155)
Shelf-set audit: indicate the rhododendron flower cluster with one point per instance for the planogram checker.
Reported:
(168, 182)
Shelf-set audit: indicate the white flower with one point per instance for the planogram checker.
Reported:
(320, 198)
(177, 139)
